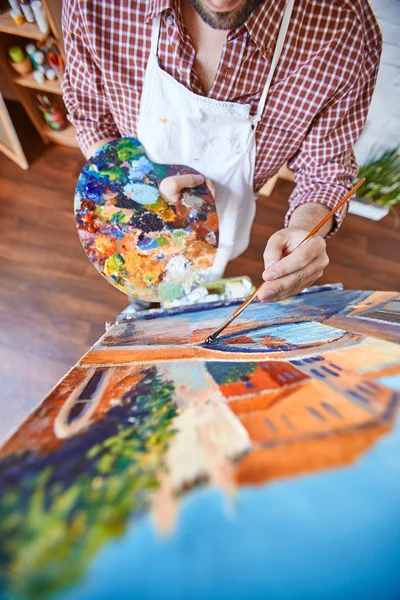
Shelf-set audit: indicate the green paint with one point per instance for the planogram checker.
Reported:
(120, 217)
(226, 372)
(113, 265)
(170, 291)
(125, 150)
(112, 174)
(162, 241)
(178, 236)
(160, 171)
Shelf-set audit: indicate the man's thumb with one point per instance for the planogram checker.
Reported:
(171, 187)
(190, 180)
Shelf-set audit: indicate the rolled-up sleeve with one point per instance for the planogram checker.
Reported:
(325, 166)
(83, 94)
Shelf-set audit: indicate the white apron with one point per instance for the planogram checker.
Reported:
(216, 138)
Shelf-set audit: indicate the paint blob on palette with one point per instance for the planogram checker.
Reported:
(145, 245)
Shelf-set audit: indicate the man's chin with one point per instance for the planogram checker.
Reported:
(212, 15)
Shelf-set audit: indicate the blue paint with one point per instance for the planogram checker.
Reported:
(270, 425)
(331, 409)
(140, 168)
(391, 381)
(147, 243)
(358, 396)
(314, 413)
(327, 370)
(284, 337)
(288, 375)
(317, 373)
(142, 193)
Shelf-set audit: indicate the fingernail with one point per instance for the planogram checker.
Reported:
(269, 263)
(198, 179)
(269, 275)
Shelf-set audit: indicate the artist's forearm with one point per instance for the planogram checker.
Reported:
(307, 216)
(89, 153)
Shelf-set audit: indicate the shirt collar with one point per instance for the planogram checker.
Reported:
(156, 7)
(262, 25)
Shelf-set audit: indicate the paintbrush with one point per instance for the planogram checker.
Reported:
(250, 299)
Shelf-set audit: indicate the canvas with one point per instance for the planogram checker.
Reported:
(146, 246)
(263, 466)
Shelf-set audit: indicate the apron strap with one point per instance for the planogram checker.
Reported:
(275, 59)
(155, 33)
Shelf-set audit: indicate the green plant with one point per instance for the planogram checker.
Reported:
(382, 174)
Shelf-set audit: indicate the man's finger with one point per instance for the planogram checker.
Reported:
(284, 287)
(274, 249)
(171, 187)
(298, 259)
(211, 188)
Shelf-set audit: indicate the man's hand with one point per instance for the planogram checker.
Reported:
(289, 270)
(171, 187)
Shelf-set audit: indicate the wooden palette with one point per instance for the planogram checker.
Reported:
(145, 245)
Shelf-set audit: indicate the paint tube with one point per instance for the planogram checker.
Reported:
(40, 16)
(27, 10)
(15, 7)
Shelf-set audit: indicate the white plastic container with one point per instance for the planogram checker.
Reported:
(40, 16)
(15, 6)
(27, 10)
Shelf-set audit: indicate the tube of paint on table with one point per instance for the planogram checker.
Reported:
(40, 16)
(27, 10)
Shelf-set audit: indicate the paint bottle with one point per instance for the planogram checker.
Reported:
(51, 74)
(39, 57)
(15, 6)
(30, 50)
(16, 54)
(17, 17)
(39, 77)
(27, 10)
(51, 113)
(40, 16)
(19, 62)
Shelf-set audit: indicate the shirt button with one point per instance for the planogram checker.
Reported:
(170, 20)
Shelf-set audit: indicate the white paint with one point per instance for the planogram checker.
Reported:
(180, 272)
(382, 129)
(191, 201)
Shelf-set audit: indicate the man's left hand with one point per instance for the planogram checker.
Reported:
(288, 269)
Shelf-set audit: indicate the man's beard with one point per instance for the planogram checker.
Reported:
(225, 20)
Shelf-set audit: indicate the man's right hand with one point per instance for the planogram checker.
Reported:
(171, 188)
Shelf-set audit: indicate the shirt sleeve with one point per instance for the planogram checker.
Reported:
(83, 93)
(325, 166)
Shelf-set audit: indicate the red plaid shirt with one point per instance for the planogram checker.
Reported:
(318, 101)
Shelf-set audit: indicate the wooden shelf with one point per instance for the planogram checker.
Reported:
(66, 137)
(28, 30)
(51, 87)
(24, 87)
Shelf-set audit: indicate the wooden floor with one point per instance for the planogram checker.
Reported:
(54, 305)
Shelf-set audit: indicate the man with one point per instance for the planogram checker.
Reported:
(234, 89)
